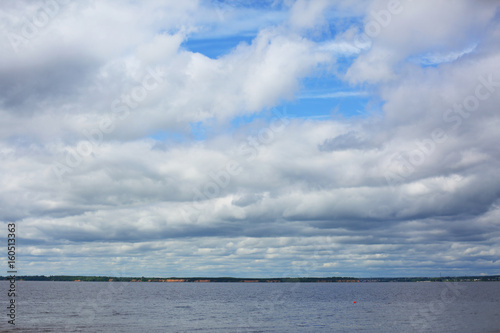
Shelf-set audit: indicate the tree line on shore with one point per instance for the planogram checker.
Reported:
(81, 278)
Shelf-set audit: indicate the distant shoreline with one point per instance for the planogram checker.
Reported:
(81, 278)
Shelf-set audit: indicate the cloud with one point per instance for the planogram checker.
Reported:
(398, 32)
(411, 189)
(349, 140)
(438, 58)
(345, 48)
(306, 13)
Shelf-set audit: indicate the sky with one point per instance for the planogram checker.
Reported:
(243, 138)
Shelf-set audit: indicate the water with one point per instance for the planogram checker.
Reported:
(255, 307)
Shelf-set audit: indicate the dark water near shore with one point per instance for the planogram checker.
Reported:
(254, 307)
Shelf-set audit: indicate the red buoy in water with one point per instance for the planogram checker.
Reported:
(354, 302)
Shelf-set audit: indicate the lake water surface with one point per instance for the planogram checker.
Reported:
(255, 307)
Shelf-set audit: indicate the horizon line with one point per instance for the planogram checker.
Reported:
(255, 278)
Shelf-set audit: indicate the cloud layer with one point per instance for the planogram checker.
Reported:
(123, 152)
